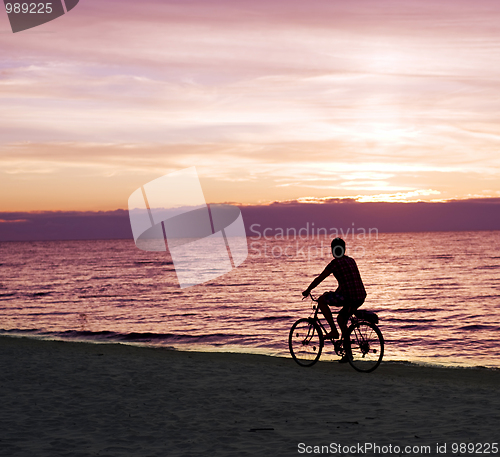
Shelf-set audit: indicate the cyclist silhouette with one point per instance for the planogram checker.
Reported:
(350, 293)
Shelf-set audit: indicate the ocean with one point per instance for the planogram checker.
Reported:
(437, 295)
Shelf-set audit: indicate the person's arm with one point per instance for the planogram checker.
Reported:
(317, 281)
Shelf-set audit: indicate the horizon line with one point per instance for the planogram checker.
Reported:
(300, 201)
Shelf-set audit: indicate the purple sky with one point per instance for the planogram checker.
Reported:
(339, 215)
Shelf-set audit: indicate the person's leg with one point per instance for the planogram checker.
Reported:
(345, 313)
(343, 318)
(325, 309)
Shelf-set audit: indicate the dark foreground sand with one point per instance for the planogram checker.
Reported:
(74, 399)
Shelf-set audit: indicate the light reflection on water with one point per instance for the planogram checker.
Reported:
(437, 294)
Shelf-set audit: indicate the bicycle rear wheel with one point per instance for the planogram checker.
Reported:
(305, 342)
(364, 346)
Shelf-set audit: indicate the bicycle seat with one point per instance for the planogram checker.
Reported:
(365, 315)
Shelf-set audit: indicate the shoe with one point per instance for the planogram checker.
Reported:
(331, 335)
(343, 359)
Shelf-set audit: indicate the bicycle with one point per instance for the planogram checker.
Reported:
(363, 345)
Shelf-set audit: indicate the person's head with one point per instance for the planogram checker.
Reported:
(338, 247)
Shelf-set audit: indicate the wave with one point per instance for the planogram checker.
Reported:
(138, 337)
(410, 320)
(275, 318)
(8, 294)
(477, 327)
(153, 262)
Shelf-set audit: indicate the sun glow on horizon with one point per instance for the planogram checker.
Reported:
(399, 197)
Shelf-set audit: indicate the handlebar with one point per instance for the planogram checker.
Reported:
(313, 298)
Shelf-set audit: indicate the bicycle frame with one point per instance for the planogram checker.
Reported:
(352, 319)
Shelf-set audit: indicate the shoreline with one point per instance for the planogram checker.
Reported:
(233, 349)
(68, 398)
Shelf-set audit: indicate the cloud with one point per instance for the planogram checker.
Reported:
(473, 214)
(279, 99)
(13, 221)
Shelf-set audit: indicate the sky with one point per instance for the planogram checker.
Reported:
(372, 100)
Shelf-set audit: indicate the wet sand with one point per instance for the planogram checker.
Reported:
(79, 399)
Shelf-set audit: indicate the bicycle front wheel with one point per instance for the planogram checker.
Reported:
(305, 342)
(364, 346)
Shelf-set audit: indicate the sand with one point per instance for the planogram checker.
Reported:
(78, 399)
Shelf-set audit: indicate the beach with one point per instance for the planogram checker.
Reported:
(81, 399)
